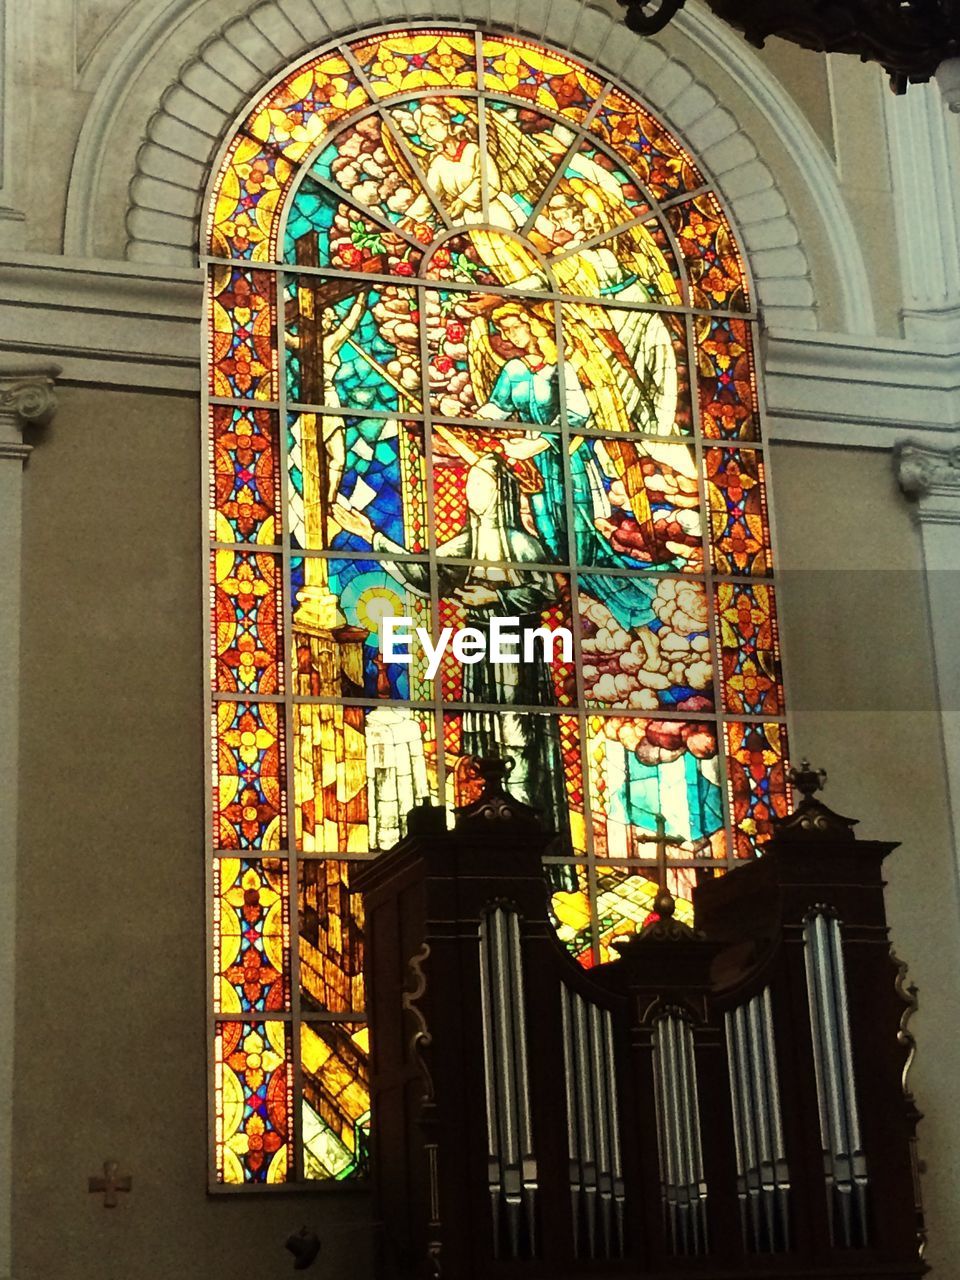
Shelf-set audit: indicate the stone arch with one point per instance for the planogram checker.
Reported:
(216, 83)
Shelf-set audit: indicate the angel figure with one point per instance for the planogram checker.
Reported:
(527, 387)
(455, 169)
(586, 205)
(578, 216)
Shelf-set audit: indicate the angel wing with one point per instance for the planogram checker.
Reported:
(654, 385)
(640, 357)
(522, 162)
(601, 364)
(400, 153)
(483, 362)
(639, 343)
(586, 354)
(619, 398)
(627, 460)
(633, 246)
(641, 257)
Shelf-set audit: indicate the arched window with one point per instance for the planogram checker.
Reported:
(480, 344)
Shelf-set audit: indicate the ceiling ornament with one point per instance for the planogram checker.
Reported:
(913, 40)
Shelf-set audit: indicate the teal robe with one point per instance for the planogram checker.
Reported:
(534, 396)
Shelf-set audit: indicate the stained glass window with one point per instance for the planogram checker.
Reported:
(480, 344)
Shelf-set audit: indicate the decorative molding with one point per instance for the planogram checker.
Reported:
(930, 475)
(215, 85)
(130, 327)
(150, 26)
(109, 324)
(28, 395)
(923, 471)
(731, 51)
(908, 993)
(26, 399)
(839, 389)
(421, 1038)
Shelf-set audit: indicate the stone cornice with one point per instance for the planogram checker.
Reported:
(27, 397)
(843, 389)
(115, 325)
(110, 324)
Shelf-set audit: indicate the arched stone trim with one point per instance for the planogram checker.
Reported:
(215, 87)
(760, 242)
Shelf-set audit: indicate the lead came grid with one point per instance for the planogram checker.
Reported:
(269, 693)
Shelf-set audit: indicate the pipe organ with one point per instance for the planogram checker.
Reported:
(723, 1099)
(597, 1199)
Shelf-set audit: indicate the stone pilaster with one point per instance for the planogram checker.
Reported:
(26, 399)
(924, 144)
(930, 478)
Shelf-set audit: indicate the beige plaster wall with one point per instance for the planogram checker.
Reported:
(804, 75)
(110, 1051)
(860, 679)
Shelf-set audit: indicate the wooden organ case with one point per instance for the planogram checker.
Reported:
(725, 1100)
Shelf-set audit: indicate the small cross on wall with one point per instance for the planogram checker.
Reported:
(109, 1184)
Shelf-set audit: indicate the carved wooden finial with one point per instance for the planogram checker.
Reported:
(661, 924)
(808, 780)
(811, 817)
(494, 803)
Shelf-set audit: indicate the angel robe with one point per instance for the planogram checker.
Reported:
(533, 395)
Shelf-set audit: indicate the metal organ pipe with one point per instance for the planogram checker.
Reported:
(845, 1168)
(763, 1177)
(683, 1187)
(511, 1162)
(597, 1195)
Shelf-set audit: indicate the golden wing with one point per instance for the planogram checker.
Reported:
(519, 159)
(639, 254)
(483, 362)
(645, 379)
(595, 357)
(601, 365)
(634, 247)
(399, 159)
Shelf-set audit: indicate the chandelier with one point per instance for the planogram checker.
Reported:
(911, 39)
